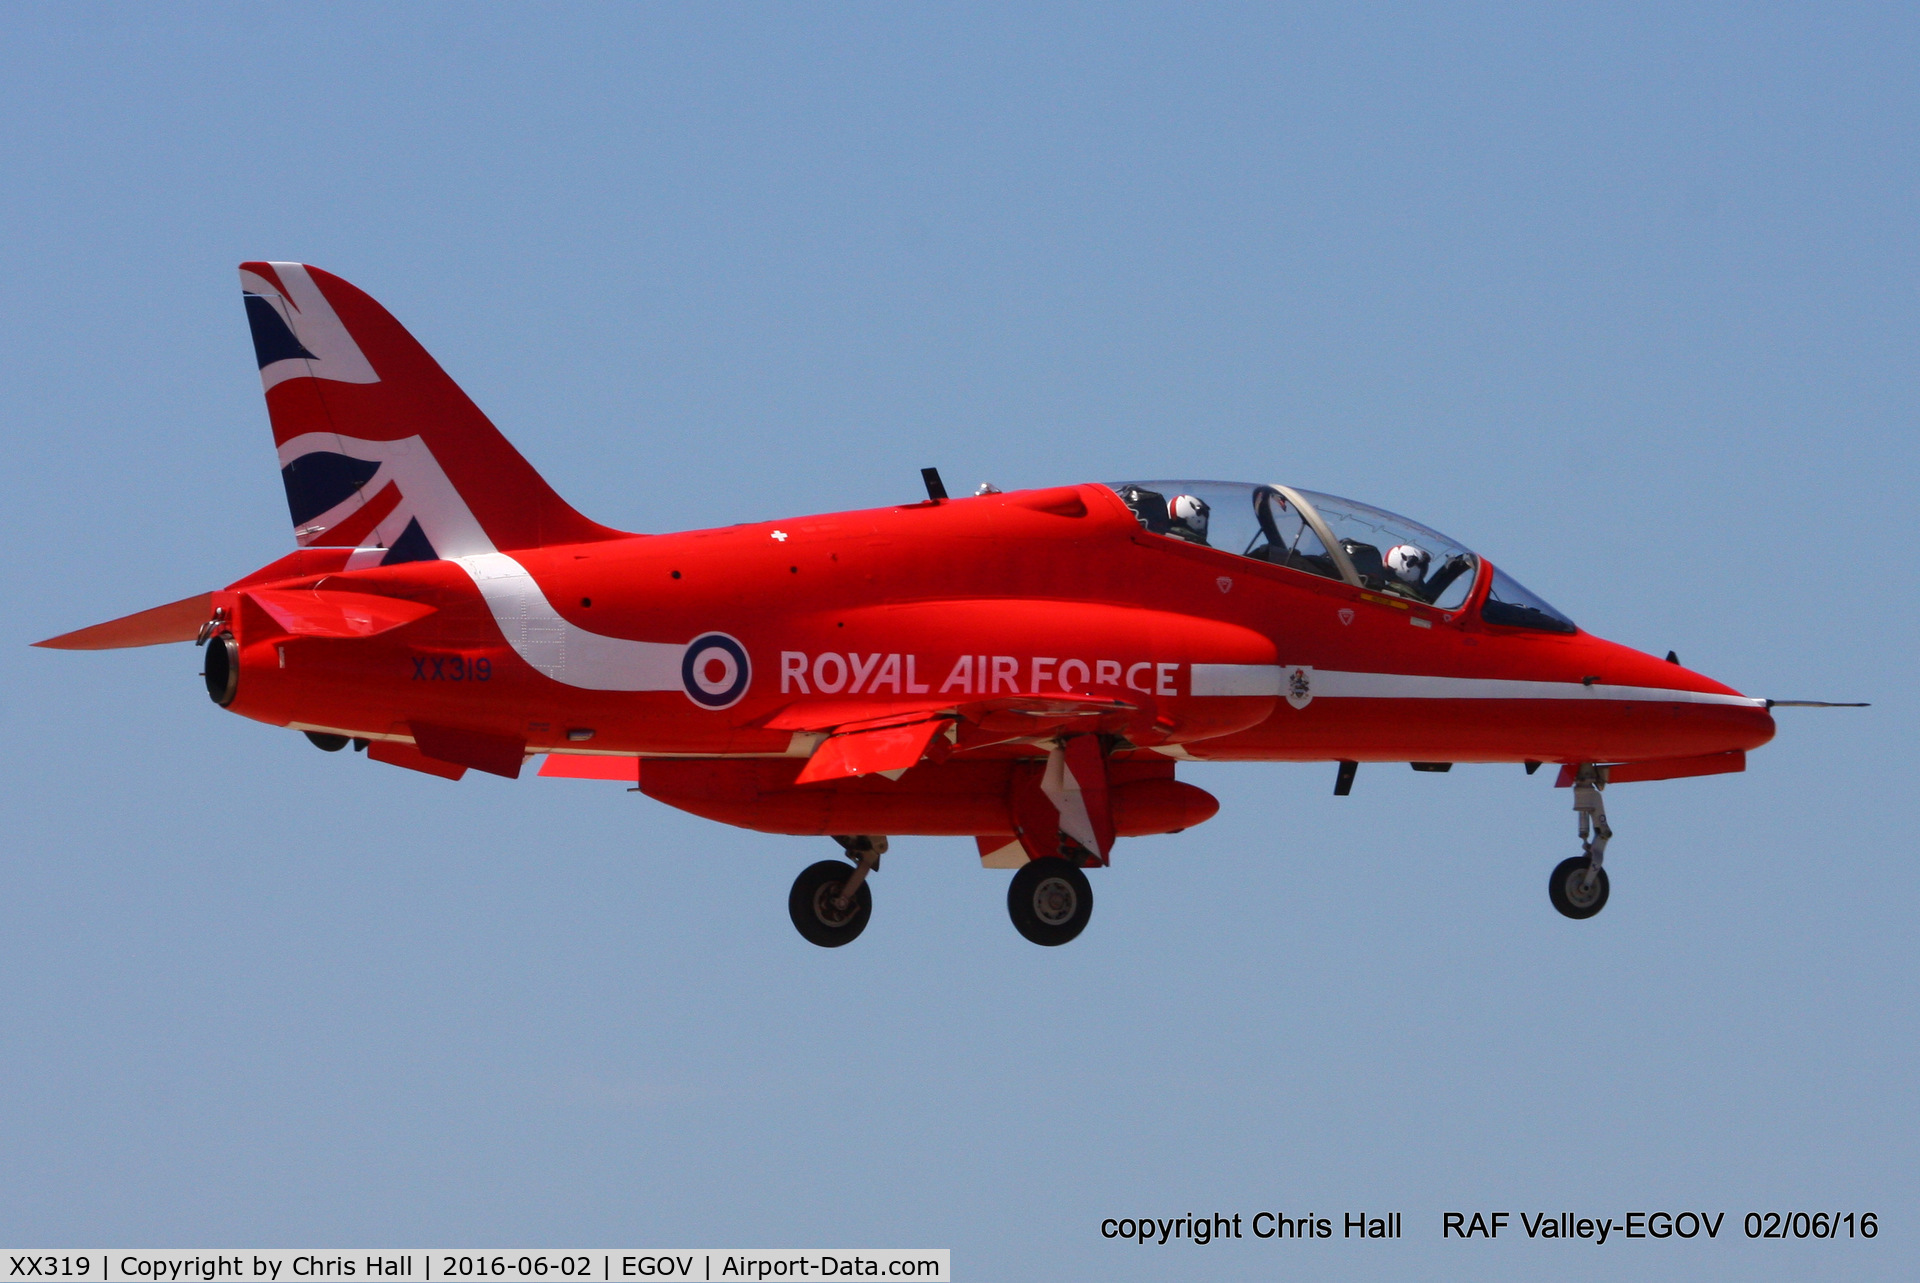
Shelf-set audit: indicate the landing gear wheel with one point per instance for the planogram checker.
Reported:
(1570, 891)
(815, 915)
(1049, 901)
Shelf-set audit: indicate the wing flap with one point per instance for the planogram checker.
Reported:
(838, 714)
(590, 766)
(397, 753)
(870, 750)
(1023, 713)
(482, 750)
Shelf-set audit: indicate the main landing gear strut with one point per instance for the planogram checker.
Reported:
(1050, 900)
(830, 903)
(1578, 887)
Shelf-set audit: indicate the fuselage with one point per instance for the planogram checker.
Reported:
(1051, 593)
(1029, 669)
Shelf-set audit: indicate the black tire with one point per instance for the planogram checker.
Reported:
(327, 743)
(1050, 901)
(1569, 893)
(810, 905)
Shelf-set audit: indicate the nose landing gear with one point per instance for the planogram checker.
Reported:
(831, 903)
(1578, 886)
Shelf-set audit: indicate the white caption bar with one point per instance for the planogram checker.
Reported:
(431, 1265)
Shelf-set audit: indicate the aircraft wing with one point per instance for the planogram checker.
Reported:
(864, 738)
(888, 737)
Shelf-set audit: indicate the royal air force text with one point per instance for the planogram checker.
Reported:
(832, 673)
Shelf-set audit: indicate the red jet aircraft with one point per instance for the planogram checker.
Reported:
(1027, 669)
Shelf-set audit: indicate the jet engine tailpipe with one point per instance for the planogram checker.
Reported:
(223, 668)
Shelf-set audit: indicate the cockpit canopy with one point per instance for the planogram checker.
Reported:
(1322, 534)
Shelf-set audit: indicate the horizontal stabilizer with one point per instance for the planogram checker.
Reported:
(306, 613)
(174, 622)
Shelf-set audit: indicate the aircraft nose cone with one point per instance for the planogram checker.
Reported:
(1751, 728)
(1714, 722)
(1703, 716)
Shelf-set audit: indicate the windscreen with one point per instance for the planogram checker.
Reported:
(1509, 602)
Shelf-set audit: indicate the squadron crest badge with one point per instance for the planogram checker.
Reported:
(1299, 685)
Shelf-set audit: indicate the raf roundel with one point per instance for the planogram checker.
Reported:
(715, 671)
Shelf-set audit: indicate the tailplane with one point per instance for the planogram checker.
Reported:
(378, 447)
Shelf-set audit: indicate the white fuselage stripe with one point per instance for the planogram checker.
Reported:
(563, 651)
(1235, 679)
(1265, 679)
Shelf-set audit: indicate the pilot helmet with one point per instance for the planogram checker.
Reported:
(1408, 563)
(1188, 513)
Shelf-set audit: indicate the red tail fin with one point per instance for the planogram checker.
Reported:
(378, 447)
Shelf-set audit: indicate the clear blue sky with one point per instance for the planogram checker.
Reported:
(1623, 297)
